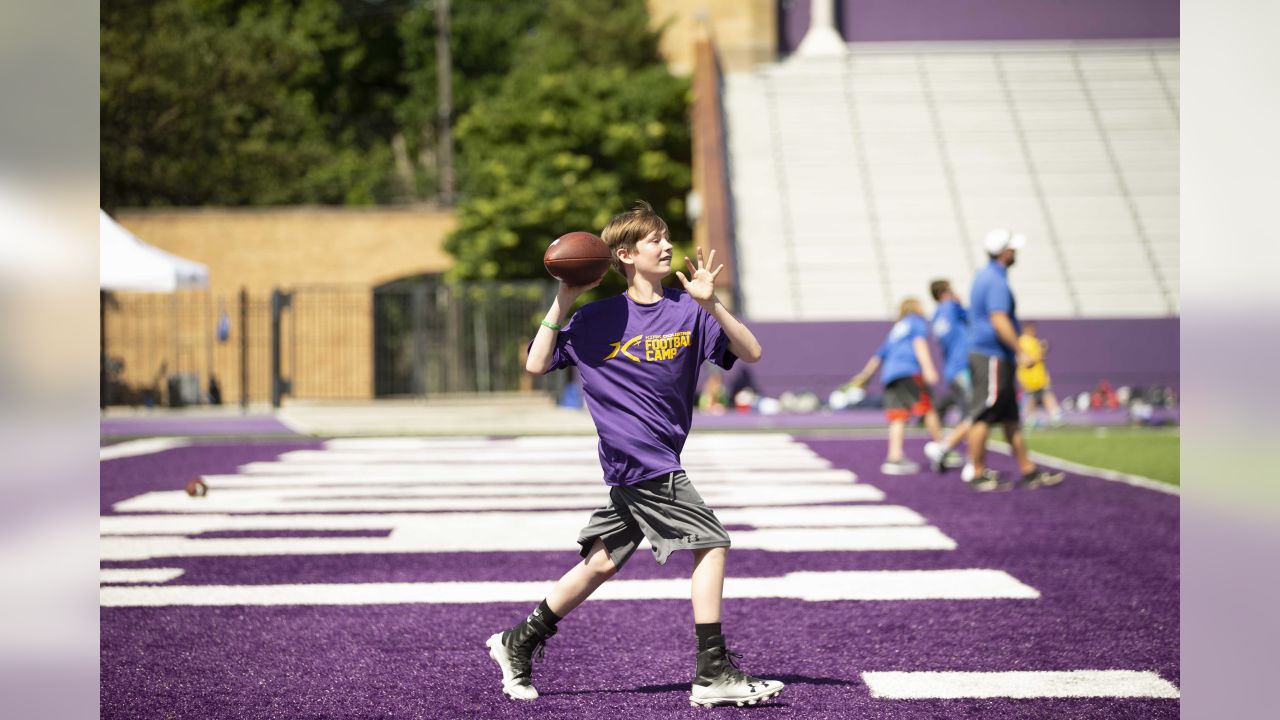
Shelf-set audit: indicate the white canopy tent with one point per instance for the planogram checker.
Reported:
(129, 264)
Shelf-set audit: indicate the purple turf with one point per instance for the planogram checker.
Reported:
(1104, 556)
(126, 477)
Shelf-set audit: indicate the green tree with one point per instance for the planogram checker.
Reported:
(589, 120)
(198, 109)
(483, 38)
(263, 102)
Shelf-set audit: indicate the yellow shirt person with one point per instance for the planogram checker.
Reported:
(1035, 377)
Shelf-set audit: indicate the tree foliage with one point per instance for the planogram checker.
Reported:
(589, 120)
(565, 113)
(268, 102)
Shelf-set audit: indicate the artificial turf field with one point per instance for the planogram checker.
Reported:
(360, 578)
(1148, 452)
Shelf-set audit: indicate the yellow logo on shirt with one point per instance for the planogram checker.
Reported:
(657, 348)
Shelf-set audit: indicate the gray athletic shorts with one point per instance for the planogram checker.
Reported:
(667, 510)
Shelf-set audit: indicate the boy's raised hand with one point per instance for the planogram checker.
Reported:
(701, 283)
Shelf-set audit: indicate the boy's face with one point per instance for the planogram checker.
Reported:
(652, 255)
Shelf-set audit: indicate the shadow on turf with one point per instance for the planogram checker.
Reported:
(684, 687)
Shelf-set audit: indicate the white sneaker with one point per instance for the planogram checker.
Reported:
(517, 680)
(936, 454)
(899, 467)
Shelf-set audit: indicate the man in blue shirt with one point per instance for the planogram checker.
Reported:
(993, 357)
(907, 373)
(950, 327)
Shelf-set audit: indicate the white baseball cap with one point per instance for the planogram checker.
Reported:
(1000, 239)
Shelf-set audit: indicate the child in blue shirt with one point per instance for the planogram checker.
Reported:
(907, 371)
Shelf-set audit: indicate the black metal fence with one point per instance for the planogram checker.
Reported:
(431, 337)
(184, 348)
(412, 338)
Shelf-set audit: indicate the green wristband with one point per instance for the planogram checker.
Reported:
(553, 326)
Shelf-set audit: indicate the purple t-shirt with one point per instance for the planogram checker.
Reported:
(639, 368)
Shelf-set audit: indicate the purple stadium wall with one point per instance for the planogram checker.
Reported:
(819, 356)
(899, 20)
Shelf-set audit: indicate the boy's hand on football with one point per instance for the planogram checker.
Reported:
(701, 283)
(571, 292)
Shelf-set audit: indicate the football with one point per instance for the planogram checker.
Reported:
(577, 258)
(197, 488)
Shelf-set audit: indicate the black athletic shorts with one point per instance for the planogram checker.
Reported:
(905, 397)
(994, 398)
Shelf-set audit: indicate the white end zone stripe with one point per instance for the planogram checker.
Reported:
(523, 471)
(698, 441)
(361, 499)
(147, 446)
(432, 540)
(815, 586)
(1026, 684)
(512, 464)
(516, 481)
(138, 575)
(531, 524)
(747, 457)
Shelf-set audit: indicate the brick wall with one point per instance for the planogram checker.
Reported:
(745, 31)
(348, 251)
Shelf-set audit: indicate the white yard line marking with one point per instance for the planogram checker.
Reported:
(365, 499)
(698, 441)
(138, 575)
(759, 494)
(799, 457)
(972, 584)
(147, 446)
(345, 462)
(1024, 684)
(511, 538)
(589, 470)
(565, 524)
(515, 480)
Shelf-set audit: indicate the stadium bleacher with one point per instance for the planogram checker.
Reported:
(857, 179)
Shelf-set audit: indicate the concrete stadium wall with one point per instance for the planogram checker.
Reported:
(819, 356)
(926, 20)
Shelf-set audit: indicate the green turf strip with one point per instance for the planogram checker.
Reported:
(1149, 452)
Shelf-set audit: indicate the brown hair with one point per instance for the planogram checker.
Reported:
(938, 287)
(628, 228)
(910, 306)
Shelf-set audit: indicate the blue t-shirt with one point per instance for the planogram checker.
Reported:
(639, 367)
(951, 328)
(896, 353)
(991, 294)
